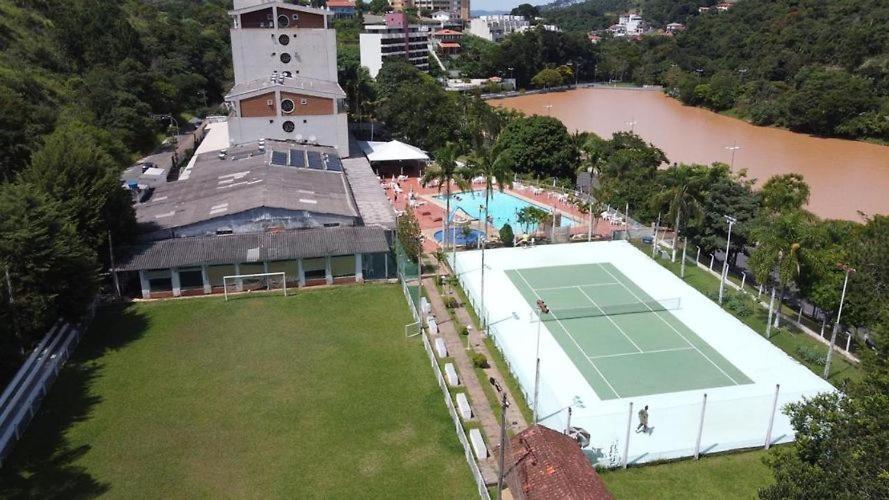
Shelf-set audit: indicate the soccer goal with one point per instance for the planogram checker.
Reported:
(250, 282)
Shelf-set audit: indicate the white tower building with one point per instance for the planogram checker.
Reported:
(284, 59)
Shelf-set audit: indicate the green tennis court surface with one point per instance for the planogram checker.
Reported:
(627, 354)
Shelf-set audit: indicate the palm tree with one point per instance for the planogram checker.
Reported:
(777, 250)
(682, 198)
(494, 167)
(446, 172)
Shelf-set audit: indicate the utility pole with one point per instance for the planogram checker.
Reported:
(731, 221)
(111, 262)
(734, 147)
(504, 404)
(836, 325)
(542, 309)
(589, 236)
(482, 311)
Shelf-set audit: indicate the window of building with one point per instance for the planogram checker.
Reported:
(283, 21)
(283, 39)
(314, 268)
(159, 280)
(191, 278)
(287, 105)
(285, 58)
(342, 266)
(289, 126)
(304, 101)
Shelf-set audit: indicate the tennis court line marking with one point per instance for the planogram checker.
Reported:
(671, 326)
(643, 352)
(570, 337)
(575, 286)
(610, 319)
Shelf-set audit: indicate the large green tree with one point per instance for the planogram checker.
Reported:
(539, 145)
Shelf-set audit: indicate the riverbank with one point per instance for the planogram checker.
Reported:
(846, 177)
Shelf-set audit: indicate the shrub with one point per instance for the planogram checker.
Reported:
(479, 360)
(450, 302)
(507, 237)
(739, 305)
(464, 331)
(811, 356)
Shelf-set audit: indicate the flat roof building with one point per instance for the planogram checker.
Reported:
(494, 28)
(395, 39)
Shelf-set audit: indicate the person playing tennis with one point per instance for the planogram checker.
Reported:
(643, 420)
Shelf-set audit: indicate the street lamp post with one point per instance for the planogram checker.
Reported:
(549, 108)
(836, 325)
(632, 123)
(731, 221)
(484, 315)
(734, 147)
(589, 237)
(541, 310)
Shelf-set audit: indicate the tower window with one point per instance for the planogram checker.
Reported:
(289, 126)
(283, 39)
(287, 106)
(283, 21)
(285, 58)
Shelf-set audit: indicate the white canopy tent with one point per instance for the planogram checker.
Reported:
(392, 151)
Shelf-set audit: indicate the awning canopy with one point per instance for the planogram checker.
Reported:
(391, 151)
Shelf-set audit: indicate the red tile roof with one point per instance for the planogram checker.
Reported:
(447, 32)
(341, 3)
(450, 45)
(546, 464)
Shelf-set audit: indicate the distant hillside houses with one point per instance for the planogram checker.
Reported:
(629, 25)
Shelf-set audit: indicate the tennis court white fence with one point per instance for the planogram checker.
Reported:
(21, 399)
(458, 424)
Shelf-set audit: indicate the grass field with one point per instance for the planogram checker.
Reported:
(735, 475)
(313, 395)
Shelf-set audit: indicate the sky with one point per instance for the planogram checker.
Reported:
(501, 4)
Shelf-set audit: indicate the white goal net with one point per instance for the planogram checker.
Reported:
(254, 282)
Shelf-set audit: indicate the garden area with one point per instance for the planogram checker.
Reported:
(264, 396)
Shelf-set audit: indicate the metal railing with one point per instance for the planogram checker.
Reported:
(458, 424)
(22, 397)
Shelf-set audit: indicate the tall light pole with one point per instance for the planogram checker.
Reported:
(734, 147)
(549, 108)
(731, 222)
(836, 325)
(504, 404)
(632, 123)
(589, 236)
(484, 315)
(541, 310)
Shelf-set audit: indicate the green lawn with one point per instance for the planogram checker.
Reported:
(314, 395)
(736, 475)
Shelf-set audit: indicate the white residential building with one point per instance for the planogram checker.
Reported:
(394, 39)
(284, 59)
(629, 24)
(494, 28)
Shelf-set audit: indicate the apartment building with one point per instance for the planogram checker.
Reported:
(396, 38)
(494, 28)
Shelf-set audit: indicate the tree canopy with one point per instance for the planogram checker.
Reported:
(539, 145)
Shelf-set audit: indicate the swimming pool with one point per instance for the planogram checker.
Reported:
(502, 209)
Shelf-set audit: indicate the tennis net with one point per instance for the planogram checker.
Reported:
(594, 310)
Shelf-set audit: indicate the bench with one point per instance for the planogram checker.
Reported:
(463, 406)
(440, 348)
(451, 374)
(478, 444)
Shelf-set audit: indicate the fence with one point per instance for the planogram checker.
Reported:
(409, 276)
(814, 323)
(22, 397)
(458, 424)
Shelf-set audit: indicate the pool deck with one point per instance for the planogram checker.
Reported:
(431, 211)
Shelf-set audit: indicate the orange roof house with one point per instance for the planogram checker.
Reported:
(541, 463)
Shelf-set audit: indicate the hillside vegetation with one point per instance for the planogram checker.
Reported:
(82, 83)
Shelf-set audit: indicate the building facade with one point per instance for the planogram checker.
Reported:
(284, 61)
(494, 28)
(395, 39)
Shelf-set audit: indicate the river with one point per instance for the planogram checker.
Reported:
(845, 176)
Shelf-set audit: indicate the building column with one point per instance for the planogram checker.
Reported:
(239, 284)
(265, 263)
(328, 276)
(174, 275)
(205, 278)
(359, 275)
(300, 273)
(146, 286)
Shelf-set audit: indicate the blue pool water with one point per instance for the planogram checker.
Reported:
(502, 208)
(461, 238)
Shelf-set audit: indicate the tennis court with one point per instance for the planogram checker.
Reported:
(625, 333)
(624, 342)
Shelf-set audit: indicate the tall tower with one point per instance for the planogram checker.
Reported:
(284, 59)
